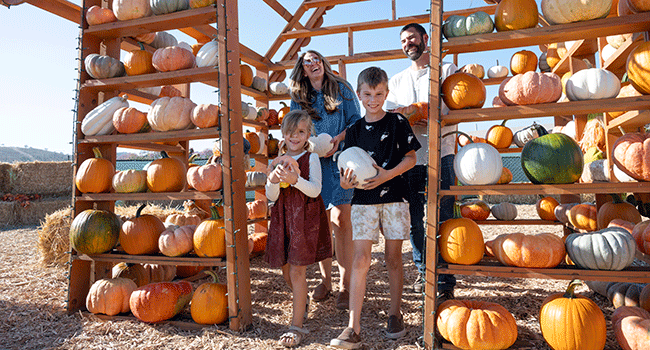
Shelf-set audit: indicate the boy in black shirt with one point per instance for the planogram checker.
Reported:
(380, 206)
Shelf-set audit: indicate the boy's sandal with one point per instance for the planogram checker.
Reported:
(321, 293)
(293, 336)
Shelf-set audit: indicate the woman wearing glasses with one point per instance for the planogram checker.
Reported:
(333, 106)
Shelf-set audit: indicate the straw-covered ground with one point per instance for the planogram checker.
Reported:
(33, 306)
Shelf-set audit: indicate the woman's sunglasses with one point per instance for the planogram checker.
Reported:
(312, 61)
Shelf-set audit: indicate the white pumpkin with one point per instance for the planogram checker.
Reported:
(248, 112)
(99, 121)
(186, 46)
(612, 248)
(154, 90)
(497, 71)
(359, 161)
(478, 164)
(521, 137)
(617, 40)
(176, 240)
(592, 84)
(504, 211)
(278, 88)
(164, 39)
(568, 11)
(208, 55)
(255, 178)
(607, 52)
(569, 129)
(259, 83)
(321, 144)
(171, 113)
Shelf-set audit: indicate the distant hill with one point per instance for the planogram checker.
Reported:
(28, 154)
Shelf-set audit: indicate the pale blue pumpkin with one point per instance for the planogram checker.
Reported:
(161, 7)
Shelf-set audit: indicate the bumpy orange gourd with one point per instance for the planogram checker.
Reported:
(506, 176)
(110, 296)
(499, 136)
(98, 15)
(256, 209)
(515, 14)
(462, 90)
(562, 321)
(543, 250)
(210, 302)
(523, 61)
(95, 175)
(476, 210)
(474, 324)
(616, 209)
(583, 217)
(461, 240)
(139, 235)
(166, 174)
(129, 120)
(160, 301)
(416, 112)
(210, 237)
(545, 208)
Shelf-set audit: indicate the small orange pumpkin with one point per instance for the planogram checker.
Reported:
(205, 115)
(282, 112)
(460, 240)
(273, 118)
(515, 15)
(583, 217)
(95, 175)
(166, 174)
(506, 176)
(463, 90)
(246, 75)
(98, 15)
(476, 210)
(616, 209)
(110, 296)
(545, 207)
(139, 235)
(210, 237)
(523, 61)
(499, 136)
(129, 120)
(138, 62)
(256, 209)
(416, 112)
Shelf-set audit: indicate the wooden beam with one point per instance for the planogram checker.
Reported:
(273, 49)
(303, 33)
(62, 8)
(283, 12)
(325, 3)
(356, 58)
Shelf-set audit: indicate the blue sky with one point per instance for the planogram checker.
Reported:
(37, 84)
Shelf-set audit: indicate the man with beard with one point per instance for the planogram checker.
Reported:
(405, 88)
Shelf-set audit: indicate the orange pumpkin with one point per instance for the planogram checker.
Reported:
(282, 112)
(462, 90)
(583, 217)
(543, 250)
(628, 226)
(254, 140)
(626, 91)
(172, 58)
(506, 176)
(638, 68)
(256, 209)
(246, 75)
(166, 174)
(631, 326)
(205, 115)
(170, 91)
(545, 207)
(139, 62)
(476, 210)
(257, 242)
(139, 235)
(273, 118)
(262, 114)
(416, 112)
(183, 219)
(196, 47)
(499, 136)
(210, 302)
(210, 237)
(641, 235)
(95, 175)
(554, 53)
(523, 61)
(206, 177)
(98, 15)
(616, 209)
(530, 88)
(184, 271)
(160, 301)
(110, 296)
(515, 15)
(460, 240)
(129, 120)
(143, 274)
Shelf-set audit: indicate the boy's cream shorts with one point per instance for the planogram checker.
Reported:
(391, 219)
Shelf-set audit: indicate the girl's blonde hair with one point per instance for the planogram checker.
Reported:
(290, 124)
(302, 92)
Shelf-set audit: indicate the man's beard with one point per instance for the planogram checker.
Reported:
(417, 53)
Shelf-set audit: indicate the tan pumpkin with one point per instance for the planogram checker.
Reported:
(95, 175)
(176, 240)
(562, 212)
(583, 217)
(246, 78)
(98, 15)
(563, 11)
(475, 324)
(205, 178)
(543, 250)
(631, 155)
(545, 208)
(504, 211)
(139, 62)
(129, 120)
(171, 113)
(642, 239)
(139, 235)
(616, 209)
(256, 209)
(183, 219)
(523, 61)
(530, 88)
(499, 136)
(638, 67)
(172, 58)
(475, 69)
(515, 15)
(631, 326)
(110, 296)
(130, 181)
(462, 90)
(131, 9)
(205, 115)
(166, 174)
(169, 91)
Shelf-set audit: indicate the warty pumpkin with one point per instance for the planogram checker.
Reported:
(592, 84)
(631, 155)
(102, 67)
(545, 208)
(617, 209)
(631, 326)
(95, 175)
(207, 177)
(166, 174)
(160, 301)
(94, 231)
(139, 235)
(460, 240)
(176, 240)
(530, 88)
(476, 210)
(359, 161)
(499, 136)
(462, 90)
(98, 15)
(210, 302)
(477, 163)
(563, 11)
(611, 248)
(515, 15)
(129, 120)
(110, 296)
(130, 181)
(638, 67)
(210, 237)
(171, 113)
(543, 250)
(172, 58)
(161, 7)
(208, 55)
(131, 9)
(205, 115)
(99, 121)
(562, 321)
(475, 324)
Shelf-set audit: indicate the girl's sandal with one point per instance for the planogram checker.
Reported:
(293, 336)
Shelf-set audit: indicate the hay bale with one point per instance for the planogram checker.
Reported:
(36, 211)
(7, 214)
(44, 178)
(4, 177)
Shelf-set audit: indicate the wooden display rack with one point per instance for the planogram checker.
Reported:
(589, 37)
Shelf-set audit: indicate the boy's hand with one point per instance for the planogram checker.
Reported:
(381, 177)
(348, 179)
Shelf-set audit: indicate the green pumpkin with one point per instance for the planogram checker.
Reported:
(476, 23)
(454, 26)
(161, 7)
(94, 231)
(552, 159)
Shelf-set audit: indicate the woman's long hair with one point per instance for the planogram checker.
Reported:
(303, 93)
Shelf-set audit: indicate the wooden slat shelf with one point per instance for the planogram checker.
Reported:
(191, 260)
(617, 62)
(207, 75)
(154, 136)
(565, 272)
(549, 34)
(630, 121)
(175, 20)
(149, 196)
(529, 188)
(518, 222)
(256, 94)
(254, 123)
(546, 109)
(493, 81)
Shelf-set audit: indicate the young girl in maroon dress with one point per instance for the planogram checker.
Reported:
(299, 234)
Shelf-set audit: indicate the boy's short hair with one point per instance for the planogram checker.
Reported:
(373, 76)
(416, 26)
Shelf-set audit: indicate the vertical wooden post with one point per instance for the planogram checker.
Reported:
(262, 226)
(433, 175)
(350, 41)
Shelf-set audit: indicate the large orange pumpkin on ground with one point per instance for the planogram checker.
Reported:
(160, 301)
(462, 90)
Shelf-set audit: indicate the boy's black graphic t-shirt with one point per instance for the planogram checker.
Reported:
(387, 141)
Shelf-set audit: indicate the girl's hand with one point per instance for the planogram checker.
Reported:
(273, 176)
(287, 174)
(348, 179)
(336, 140)
(381, 177)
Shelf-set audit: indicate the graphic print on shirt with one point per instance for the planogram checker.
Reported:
(384, 136)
